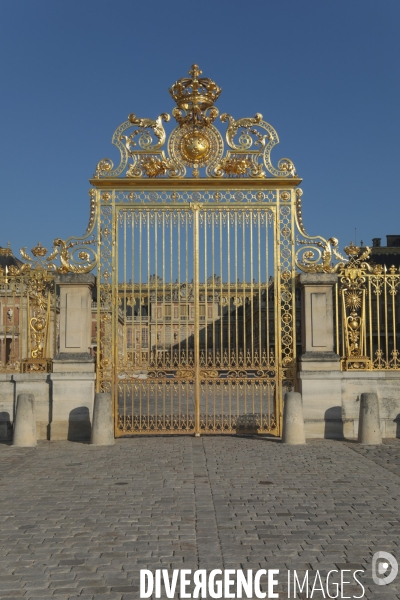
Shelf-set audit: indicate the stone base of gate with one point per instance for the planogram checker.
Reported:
(321, 393)
(73, 388)
(331, 401)
(11, 385)
(63, 401)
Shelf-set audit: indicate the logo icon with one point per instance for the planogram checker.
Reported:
(381, 561)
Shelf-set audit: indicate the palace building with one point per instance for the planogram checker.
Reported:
(388, 255)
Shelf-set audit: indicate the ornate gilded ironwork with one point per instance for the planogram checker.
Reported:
(74, 255)
(195, 142)
(315, 254)
(367, 299)
(195, 99)
(196, 272)
(196, 148)
(27, 318)
(368, 302)
(40, 301)
(182, 348)
(81, 260)
(352, 290)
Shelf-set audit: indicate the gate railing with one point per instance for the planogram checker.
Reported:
(367, 313)
(28, 321)
(30, 304)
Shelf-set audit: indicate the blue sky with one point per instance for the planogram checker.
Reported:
(324, 73)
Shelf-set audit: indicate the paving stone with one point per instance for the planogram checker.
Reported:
(69, 532)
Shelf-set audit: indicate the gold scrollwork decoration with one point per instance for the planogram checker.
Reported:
(195, 142)
(315, 254)
(353, 294)
(263, 141)
(238, 374)
(152, 166)
(185, 374)
(79, 261)
(268, 374)
(245, 140)
(211, 374)
(157, 374)
(104, 168)
(145, 138)
(238, 166)
(40, 301)
(82, 259)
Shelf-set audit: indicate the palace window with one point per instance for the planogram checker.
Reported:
(145, 337)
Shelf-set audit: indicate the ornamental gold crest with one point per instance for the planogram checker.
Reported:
(195, 143)
(196, 148)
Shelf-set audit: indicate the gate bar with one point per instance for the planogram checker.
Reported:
(195, 207)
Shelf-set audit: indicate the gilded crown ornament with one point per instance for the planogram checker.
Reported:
(194, 96)
(39, 250)
(196, 142)
(352, 250)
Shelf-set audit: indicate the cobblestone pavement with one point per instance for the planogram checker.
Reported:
(80, 521)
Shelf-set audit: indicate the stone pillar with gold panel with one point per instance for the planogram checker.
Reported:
(24, 328)
(319, 366)
(73, 377)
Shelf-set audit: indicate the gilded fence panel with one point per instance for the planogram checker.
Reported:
(368, 309)
(28, 320)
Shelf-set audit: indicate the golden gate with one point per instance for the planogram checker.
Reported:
(196, 271)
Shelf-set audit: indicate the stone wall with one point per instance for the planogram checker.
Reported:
(63, 403)
(331, 401)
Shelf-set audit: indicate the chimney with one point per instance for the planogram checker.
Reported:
(376, 242)
(393, 240)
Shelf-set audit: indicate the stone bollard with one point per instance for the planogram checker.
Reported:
(293, 422)
(25, 421)
(102, 425)
(369, 430)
